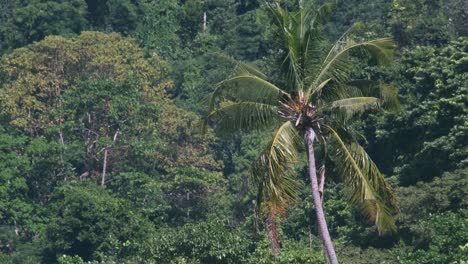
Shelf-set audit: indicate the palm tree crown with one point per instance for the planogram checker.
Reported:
(319, 102)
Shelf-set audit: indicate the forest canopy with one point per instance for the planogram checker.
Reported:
(107, 154)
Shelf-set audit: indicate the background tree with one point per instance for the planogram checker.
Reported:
(158, 26)
(86, 212)
(78, 94)
(431, 84)
(29, 21)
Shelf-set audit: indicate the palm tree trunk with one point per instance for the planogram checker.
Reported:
(322, 182)
(322, 224)
(272, 231)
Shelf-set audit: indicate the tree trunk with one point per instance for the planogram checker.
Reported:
(322, 224)
(104, 166)
(322, 182)
(272, 230)
(204, 22)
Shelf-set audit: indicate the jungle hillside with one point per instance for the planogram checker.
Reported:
(233, 131)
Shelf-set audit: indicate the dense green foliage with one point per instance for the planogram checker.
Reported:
(119, 85)
(430, 135)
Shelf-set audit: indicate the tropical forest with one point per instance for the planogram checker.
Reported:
(233, 131)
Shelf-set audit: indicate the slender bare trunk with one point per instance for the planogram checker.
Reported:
(62, 150)
(204, 22)
(272, 231)
(322, 224)
(16, 229)
(104, 165)
(62, 141)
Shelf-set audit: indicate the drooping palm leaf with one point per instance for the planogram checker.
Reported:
(354, 105)
(272, 169)
(234, 116)
(367, 187)
(358, 96)
(247, 87)
(259, 95)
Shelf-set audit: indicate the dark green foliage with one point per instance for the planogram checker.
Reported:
(113, 15)
(158, 25)
(421, 22)
(173, 196)
(96, 94)
(89, 222)
(442, 239)
(292, 252)
(191, 21)
(187, 191)
(13, 199)
(369, 14)
(432, 224)
(457, 11)
(29, 21)
(250, 36)
(16, 250)
(446, 193)
(206, 242)
(143, 193)
(427, 200)
(430, 135)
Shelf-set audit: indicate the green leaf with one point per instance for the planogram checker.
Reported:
(300, 33)
(233, 116)
(367, 187)
(271, 170)
(336, 65)
(354, 105)
(257, 97)
(247, 87)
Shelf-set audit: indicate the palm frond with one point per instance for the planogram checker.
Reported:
(294, 31)
(271, 170)
(242, 88)
(366, 186)
(247, 87)
(355, 105)
(233, 116)
(300, 33)
(336, 65)
(357, 96)
(316, 42)
(322, 85)
(323, 15)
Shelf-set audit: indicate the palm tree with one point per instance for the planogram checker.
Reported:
(316, 106)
